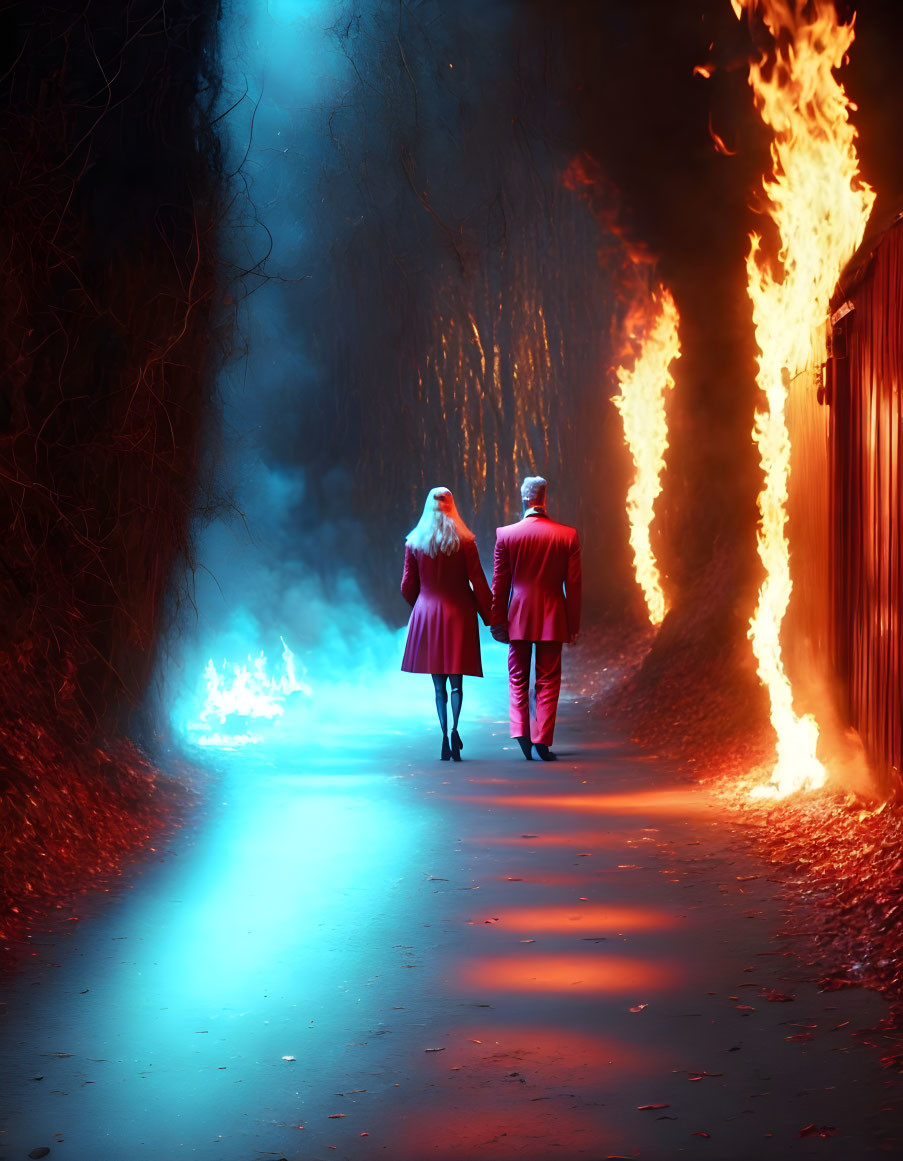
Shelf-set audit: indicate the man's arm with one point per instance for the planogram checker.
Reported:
(573, 588)
(501, 591)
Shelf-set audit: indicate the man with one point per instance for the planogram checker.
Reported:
(535, 604)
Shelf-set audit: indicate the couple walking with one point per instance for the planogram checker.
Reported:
(534, 605)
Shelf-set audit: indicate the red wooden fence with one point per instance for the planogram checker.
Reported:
(864, 382)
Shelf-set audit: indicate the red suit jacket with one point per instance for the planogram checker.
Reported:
(536, 581)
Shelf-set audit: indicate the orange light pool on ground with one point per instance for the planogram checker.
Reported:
(579, 916)
(575, 974)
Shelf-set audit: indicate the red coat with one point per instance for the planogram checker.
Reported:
(442, 632)
(536, 581)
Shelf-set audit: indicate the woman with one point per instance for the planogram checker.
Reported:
(443, 580)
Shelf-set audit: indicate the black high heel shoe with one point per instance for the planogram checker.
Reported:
(456, 746)
(525, 747)
(446, 749)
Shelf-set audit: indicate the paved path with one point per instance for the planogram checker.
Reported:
(360, 951)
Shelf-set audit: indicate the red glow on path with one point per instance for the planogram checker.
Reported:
(506, 1125)
(561, 1053)
(682, 802)
(564, 973)
(586, 840)
(549, 879)
(577, 916)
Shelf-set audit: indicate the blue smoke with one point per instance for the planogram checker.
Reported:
(289, 556)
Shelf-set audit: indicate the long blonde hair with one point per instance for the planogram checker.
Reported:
(440, 528)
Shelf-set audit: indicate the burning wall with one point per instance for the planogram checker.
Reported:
(865, 377)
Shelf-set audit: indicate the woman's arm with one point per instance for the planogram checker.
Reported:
(478, 580)
(410, 580)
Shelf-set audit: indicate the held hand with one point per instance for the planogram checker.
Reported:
(500, 633)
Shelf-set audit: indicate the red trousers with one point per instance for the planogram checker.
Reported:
(548, 685)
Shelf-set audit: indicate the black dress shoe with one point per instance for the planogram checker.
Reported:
(456, 746)
(446, 749)
(524, 744)
(545, 753)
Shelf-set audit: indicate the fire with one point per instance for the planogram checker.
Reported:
(250, 692)
(651, 333)
(650, 339)
(820, 207)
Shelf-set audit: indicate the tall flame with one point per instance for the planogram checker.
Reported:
(651, 330)
(820, 207)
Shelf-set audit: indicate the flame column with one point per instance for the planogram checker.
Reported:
(820, 207)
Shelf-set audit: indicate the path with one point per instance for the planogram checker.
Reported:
(360, 951)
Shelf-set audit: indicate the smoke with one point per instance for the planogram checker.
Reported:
(418, 302)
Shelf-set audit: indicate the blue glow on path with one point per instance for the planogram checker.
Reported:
(361, 939)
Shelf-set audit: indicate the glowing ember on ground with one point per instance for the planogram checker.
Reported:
(651, 336)
(820, 207)
(249, 692)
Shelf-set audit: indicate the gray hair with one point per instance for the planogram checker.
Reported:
(533, 491)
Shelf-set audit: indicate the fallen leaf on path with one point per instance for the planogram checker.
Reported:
(835, 983)
(699, 1133)
(288, 1058)
(818, 1131)
(434, 1050)
(775, 997)
(639, 1008)
(643, 1108)
(336, 1116)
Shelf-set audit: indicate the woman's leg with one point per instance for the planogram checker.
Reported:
(439, 680)
(457, 692)
(456, 681)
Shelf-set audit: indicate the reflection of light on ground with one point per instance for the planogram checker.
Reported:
(586, 840)
(575, 916)
(563, 973)
(268, 932)
(564, 1055)
(682, 802)
(503, 1125)
(547, 878)
(514, 781)
(292, 851)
